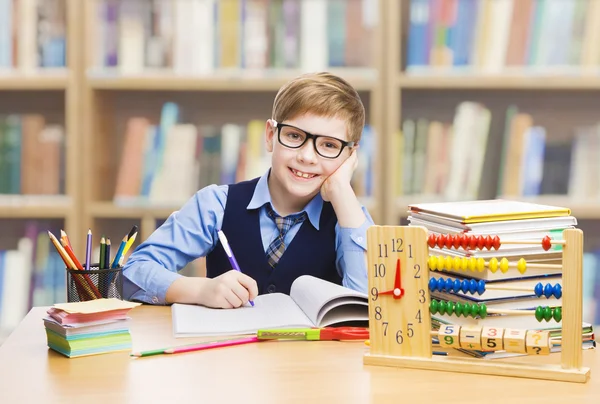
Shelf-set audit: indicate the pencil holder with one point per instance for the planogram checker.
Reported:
(94, 284)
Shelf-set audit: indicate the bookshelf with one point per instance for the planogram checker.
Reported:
(53, 93)
(113, 94)
(556, 95)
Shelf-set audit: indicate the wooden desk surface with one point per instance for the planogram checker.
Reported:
(269, 372)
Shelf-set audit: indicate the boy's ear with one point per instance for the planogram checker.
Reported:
(269, 135)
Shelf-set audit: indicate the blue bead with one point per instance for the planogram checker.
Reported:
(472, 286)
(456, 287)
(539, 289)
(557, 291)
(548, 291)
(464, 286)
(449, 284)
(433, 284)
(481, 287)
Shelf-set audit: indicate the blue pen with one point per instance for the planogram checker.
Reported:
(229, 253)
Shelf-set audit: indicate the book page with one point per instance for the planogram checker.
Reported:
(275, 310)
(319, 298)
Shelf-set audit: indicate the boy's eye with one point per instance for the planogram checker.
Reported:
(330, 145)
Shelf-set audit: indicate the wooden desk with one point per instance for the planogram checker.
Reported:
(268, 372)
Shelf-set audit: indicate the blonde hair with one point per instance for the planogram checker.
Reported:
(322, 94)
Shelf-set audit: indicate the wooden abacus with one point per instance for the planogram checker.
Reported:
(400, 306)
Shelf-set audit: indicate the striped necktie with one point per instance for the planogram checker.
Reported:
(284, 224)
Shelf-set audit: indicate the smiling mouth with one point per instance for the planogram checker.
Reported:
(301, 174)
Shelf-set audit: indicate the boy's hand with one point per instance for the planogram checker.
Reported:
(229, 290)
(340, 178)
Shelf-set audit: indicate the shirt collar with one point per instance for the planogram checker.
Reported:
(262, 196)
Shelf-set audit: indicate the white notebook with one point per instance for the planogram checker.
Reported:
(312, 302)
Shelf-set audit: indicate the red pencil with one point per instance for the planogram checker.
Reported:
(210, 345)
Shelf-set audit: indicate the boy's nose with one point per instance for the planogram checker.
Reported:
(307, 152)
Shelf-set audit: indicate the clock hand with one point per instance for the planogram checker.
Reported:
(398, 291)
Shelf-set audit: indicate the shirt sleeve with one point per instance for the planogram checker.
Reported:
(351, 247)
(187, 234)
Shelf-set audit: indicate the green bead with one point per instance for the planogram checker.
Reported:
(483, 310)
(557, 314)
(547, 313)
(459, 309)
(433, 306)
(474, 310)
(450, 307)
(468, 312)
(539, 313)
(442, 307)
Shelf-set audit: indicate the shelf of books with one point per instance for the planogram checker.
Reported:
(513, 123)
(164, 121)
(38, 118)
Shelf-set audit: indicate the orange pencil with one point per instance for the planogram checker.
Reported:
(78, 265)
(69, 264)
(63, 236)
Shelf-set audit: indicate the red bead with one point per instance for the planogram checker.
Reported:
(464, 241)
(480, 242)
(431, 240)
(496, 242)
(456, 241)
(441, 241)
(546, 243)
(488, 242)
(472, 242)
(449, 241)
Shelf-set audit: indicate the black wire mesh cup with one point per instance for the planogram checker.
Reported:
(94, 284)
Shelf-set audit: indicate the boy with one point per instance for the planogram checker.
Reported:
(317, 121)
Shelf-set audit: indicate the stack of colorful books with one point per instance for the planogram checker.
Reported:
(89, 328)
(510, 277)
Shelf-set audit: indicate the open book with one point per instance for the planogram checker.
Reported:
(312, 302)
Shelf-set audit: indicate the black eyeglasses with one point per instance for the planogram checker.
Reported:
(325, 146)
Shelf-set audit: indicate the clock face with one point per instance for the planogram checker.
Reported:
(399, 319)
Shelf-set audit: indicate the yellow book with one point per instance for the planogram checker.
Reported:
(489, 210)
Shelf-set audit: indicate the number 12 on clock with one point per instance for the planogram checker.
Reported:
(399, 319)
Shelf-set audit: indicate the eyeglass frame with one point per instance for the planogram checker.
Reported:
(309, 135)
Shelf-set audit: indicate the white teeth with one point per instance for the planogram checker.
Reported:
(301, 174)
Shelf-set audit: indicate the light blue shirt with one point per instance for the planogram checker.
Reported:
(191, 233)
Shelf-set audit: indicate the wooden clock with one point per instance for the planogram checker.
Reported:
(400, 334)
(398, 291)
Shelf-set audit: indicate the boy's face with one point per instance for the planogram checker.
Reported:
(299, 173)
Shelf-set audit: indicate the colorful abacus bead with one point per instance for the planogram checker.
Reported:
(546, 243)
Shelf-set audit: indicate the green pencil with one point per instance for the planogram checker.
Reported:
(102, 252)
(148, 353)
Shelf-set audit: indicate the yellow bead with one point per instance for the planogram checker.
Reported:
(480, 264)
(493, 264)
(522, 265)
(504, 265)
(456, 264)
(464, 263)
(472, 264)
(448, 263)
(432, 262)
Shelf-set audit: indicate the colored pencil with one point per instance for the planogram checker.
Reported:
(115, 263)
(130, 241)
(102, 258)
(107, 254)
(88, 250)
(133, 231)
(197, 347)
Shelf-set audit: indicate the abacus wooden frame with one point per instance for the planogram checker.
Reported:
(570, 368)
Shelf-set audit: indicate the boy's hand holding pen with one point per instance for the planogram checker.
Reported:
(230, 290)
